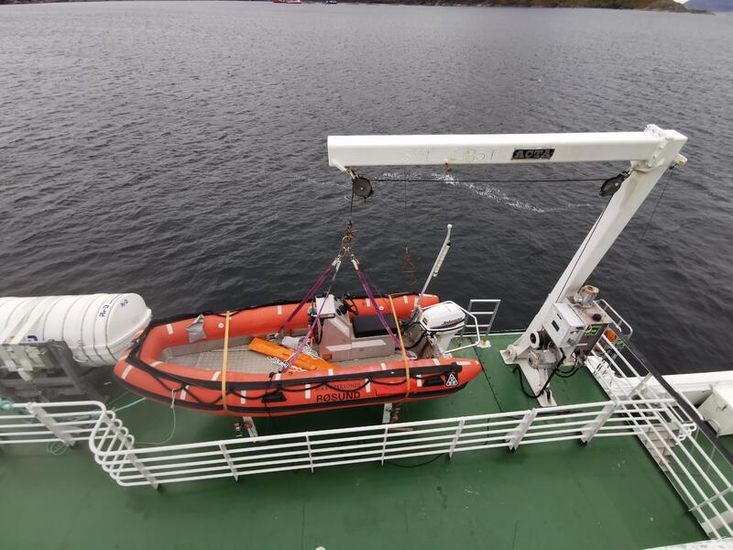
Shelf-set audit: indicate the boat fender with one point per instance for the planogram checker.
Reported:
(196, 330)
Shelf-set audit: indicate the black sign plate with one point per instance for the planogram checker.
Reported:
(532, 154)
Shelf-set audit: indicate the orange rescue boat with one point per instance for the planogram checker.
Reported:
(242, 364)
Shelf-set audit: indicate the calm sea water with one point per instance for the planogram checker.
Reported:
(178, 150)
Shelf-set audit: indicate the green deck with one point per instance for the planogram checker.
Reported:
(609, 494)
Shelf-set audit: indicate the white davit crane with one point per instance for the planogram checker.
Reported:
(650, 154)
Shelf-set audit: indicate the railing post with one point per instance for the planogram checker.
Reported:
(598, 422)
(456, 437)
(384, 442)
(310, 452)
(47, 420)
(228, 458)
(387, 411)
(516, 438)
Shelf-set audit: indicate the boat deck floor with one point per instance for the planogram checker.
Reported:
(241, 359)
(609, 494)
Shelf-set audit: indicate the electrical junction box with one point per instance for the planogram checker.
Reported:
(717, 409)
(564, 327)
(596, 321)
(574, 328)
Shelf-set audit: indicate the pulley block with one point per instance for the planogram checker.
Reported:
(362, 187)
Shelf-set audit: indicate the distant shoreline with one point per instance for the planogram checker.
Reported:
(640, 5)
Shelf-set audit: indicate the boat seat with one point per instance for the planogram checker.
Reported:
(369, 326)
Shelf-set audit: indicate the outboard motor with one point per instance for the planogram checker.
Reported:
(442, 322)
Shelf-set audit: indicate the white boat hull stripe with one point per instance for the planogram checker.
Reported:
(169, 328)
(126, 371)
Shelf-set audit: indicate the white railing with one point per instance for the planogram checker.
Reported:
(619, 323)
(674, 443)
(377, 443)
(476, 336)
(113, 446)
(487, 313)
(67, 423)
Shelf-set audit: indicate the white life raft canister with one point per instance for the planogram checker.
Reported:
(98, 328)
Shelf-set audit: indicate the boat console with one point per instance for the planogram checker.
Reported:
(343, 337)
(347, 338)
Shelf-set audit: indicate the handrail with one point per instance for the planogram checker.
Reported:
(697, 478)
(113, 448)
(473, 344)
(491, 314)
(616, 318)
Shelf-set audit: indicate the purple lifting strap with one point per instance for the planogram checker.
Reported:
(301, 345)
(363, 281)
(304, 340)
(308, 297)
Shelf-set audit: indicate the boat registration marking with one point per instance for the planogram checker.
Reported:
(368, 387)
(216, 375)
(368, 302)
(156, 363)
(169, 328)
(182, 395)
(243, 397)
(307, 391)
(464, 363)
(330, 372)
(279, 310)
(277, 376)
(436, 362)
(126, 371)
(404, 299)
(419, 381)
(384, 366)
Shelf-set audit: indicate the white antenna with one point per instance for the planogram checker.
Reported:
(436, 266)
